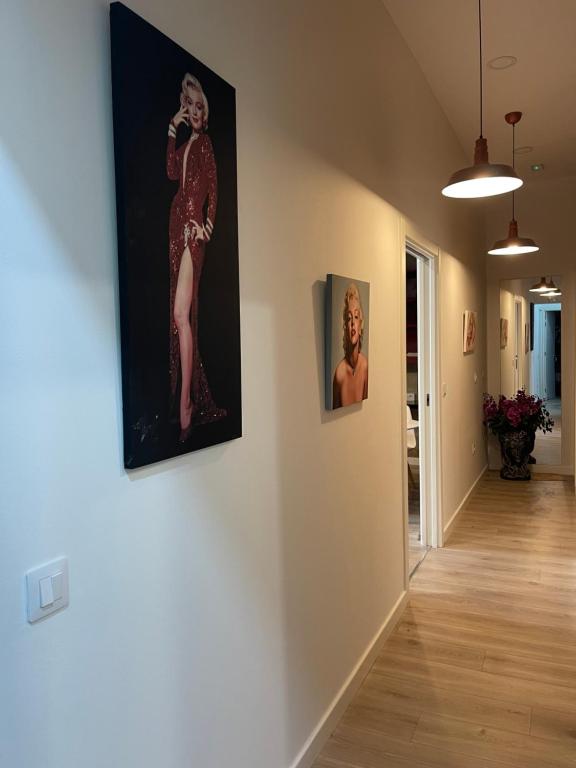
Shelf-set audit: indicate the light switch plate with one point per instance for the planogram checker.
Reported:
(54, 588)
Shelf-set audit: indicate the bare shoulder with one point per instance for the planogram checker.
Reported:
(340, 372)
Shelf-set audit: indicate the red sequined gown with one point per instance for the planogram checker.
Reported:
(196, 175)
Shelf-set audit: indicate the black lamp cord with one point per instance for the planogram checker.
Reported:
(480, 28)
(513, 163)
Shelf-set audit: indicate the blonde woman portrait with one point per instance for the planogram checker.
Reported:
(193, 166)
(177, 221)
(350, 382)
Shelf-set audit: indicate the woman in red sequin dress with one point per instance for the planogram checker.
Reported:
(191, 226)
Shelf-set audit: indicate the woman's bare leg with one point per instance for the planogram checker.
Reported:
(182, 302)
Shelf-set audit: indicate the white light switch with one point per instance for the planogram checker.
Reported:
(47, 589)
(58, 585)
(46, 593)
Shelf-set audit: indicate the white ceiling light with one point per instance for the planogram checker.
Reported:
(483, 179)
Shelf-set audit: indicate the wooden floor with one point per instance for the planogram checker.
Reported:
(481, 670)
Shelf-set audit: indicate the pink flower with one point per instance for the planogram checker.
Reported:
(514, 415)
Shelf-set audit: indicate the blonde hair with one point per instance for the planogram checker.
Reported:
(191, 83)
(352, 293)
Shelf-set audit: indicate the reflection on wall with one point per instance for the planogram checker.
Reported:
(514, 359)
(530, 358)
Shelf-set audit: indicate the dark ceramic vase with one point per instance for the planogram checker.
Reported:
(515, 447)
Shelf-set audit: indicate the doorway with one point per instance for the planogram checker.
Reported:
(421, 437)
(547, 379)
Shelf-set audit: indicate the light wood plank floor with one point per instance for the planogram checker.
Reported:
(481, 670)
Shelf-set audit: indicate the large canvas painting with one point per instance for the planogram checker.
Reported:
(176, 202)
(347, 337)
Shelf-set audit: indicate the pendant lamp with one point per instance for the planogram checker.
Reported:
(513, 245)
(543, 286)
(553, 290)
(483, 179)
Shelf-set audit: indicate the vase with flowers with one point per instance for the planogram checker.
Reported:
(515, 420)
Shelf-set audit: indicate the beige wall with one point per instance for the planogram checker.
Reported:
(463, 377)
(545, 211)
(219, 601)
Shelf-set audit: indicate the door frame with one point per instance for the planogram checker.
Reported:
(430, 435)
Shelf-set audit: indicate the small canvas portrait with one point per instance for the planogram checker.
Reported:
(470, 325)
(347, 316)
(503, 332)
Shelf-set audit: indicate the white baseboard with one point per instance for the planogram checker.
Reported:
(329, 720)
(450, 524)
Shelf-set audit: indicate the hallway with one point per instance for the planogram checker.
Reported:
(481, 670)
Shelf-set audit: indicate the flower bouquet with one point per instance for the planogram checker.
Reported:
(514, 420)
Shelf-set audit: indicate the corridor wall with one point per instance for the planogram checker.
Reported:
(219, 602)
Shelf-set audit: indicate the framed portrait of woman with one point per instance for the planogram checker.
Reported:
(177, 220)
(347, 340)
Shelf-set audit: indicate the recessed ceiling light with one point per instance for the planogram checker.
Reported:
(523, 150)
(537, 167)
(502, 62)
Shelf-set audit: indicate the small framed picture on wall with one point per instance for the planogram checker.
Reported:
(503, 332)
(347, 321)
(470, 325)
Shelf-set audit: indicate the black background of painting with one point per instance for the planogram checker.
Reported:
(147, 72)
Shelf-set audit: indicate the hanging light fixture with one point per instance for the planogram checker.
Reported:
(483, 179)
(543, 286)
(553, 290)
(513, 245)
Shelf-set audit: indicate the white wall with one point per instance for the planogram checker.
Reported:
(220, 600)
(545, 210)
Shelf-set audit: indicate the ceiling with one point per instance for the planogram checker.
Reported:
(541, 34)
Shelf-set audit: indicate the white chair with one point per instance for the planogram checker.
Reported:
(411, 427)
